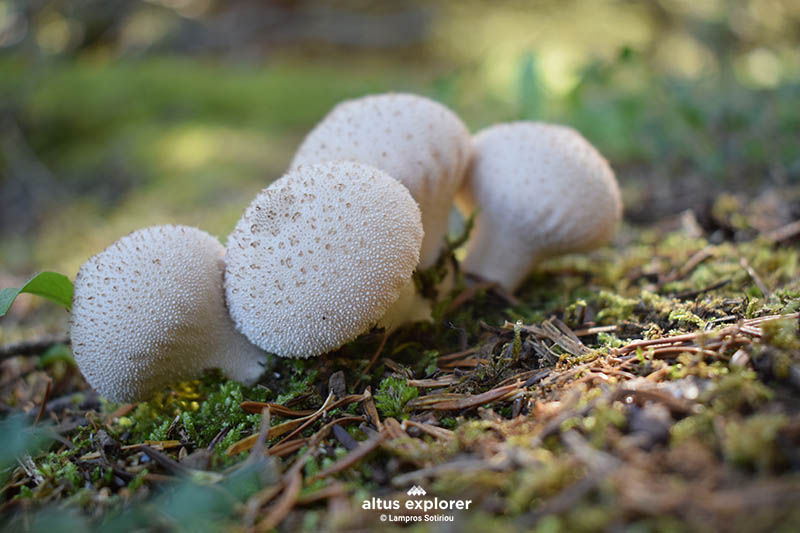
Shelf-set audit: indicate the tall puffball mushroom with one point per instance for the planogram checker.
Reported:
(540, 190)
(319, 256)
(415, 140)
(149, 311)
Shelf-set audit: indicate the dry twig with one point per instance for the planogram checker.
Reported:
(31, 347)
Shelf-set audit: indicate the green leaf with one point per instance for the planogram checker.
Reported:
(51, 285)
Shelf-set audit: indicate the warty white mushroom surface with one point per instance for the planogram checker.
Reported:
(417, 141)
(149, 311)
(319, 256)
(539, 190)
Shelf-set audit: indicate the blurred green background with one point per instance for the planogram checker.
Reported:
(115, 114)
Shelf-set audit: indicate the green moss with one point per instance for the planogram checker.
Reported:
(614, 308)
(698, 427)
(685, 318)
(392, 395)
(736, 392)
(598, 422)
(531, 486)
(301, 380)
(138, 480)
(751, 442)
(25, 493)
(448, 422)
(428, 362)
(203, 408)
(220, 409)
(781, 334)
(609, 340)
(730, 395)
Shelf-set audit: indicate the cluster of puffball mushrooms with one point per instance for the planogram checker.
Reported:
(329, 250)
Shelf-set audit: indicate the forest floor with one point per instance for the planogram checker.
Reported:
(651, 386)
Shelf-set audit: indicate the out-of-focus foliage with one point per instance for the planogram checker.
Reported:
(118, 114)
(17, 439)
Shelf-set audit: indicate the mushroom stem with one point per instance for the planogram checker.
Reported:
(410, 306)
(242, 361)
(509, 268)
(433, 242)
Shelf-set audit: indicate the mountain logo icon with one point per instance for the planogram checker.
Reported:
(416, 490)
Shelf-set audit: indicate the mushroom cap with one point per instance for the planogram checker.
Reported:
(319, 256)
(149, 311)
(417, 141)
(540, 190)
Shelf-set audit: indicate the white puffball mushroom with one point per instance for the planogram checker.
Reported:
(540, 190)
(417, 141)
(319, 256)
(149, 311)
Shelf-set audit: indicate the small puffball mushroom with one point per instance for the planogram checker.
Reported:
(539, 190)
(417, 141)
(149, 311)
(319, 256)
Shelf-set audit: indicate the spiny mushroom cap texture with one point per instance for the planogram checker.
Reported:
(149, 311)
(540, 190)
(319, 256)
(417, 141)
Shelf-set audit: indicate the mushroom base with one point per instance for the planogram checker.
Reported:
(506, 265)
(409, 307)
